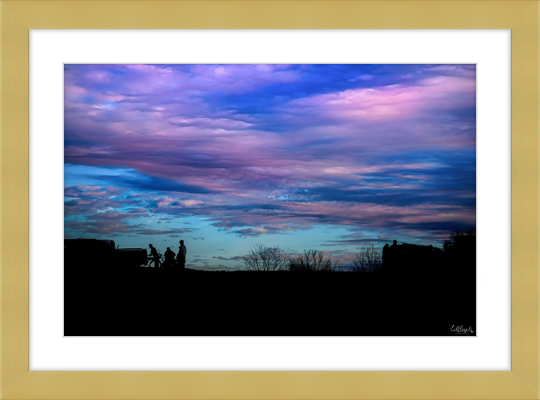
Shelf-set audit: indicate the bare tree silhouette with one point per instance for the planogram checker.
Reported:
(312, 261)
(368, 259)
(266, 258)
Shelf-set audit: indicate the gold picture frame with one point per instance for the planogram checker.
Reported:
(17, 17)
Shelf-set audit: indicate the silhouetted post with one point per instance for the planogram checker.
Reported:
(385, 254)
(391, 256)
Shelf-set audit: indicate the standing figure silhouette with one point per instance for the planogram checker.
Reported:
(181, 257)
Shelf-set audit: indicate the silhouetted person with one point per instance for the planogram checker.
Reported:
(154, 255)
(169, 258)
(181, 257)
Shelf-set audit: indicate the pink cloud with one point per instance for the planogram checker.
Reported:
(391, 102)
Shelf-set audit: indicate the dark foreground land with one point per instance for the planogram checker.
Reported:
(150, 302)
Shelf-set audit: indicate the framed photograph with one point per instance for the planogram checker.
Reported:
(335, 160)
(123, 185)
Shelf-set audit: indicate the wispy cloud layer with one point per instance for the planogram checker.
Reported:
(259, 150)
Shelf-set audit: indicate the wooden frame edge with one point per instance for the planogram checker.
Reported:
(18, 383)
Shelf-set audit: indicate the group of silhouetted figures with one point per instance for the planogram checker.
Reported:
(169, 259)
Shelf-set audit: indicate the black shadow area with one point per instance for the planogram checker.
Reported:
(160, 302)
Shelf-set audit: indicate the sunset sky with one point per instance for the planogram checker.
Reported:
(328, 157)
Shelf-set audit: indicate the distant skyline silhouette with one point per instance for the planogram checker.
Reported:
(327, 157)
